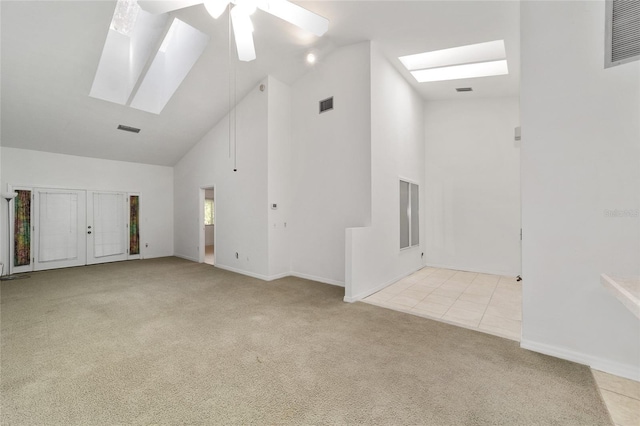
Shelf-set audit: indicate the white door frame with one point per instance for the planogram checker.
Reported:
(201, 226)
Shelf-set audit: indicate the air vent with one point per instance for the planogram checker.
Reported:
(622, 42)
(128, 128)
(326, 105)
(464, 89)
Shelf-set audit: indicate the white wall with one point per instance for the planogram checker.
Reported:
(397, 150)
(473, 185)
(580, 157)
(279, 176)
(154, 183)
(241, 197)
(331, 162)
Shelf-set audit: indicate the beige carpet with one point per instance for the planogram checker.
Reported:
(167, 341)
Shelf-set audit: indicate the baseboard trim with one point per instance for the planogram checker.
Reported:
(318, 279)
(182, 257)
(242, 272)
(263, 277)
(376, 289)
(270, 277)
(477, 270)
(278, 276)
(597, 363)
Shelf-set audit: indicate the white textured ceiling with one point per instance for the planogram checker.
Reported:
(50, 52)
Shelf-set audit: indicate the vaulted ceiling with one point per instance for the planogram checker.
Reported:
(50, 52)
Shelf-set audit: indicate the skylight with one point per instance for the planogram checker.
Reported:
(124, 17)
(179, 51)
(132, 40)
(457, 72)
(471, 61)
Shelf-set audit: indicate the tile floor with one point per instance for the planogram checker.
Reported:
(621, 396)
(208, 255)
(491, 304)
(488, 303)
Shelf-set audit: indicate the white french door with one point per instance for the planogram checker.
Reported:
(58, 228)
(59, 237)
(107, 239)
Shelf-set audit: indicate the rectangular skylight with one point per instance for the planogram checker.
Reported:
(180, 49)
(456, 72)
(475, 60)
(131, 39)
(125, 16)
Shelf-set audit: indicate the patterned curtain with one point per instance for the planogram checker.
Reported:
(134, 231)
(22, 228)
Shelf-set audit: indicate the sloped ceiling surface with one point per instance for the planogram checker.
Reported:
(50, 52)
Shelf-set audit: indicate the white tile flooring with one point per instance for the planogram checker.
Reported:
(208, 255)
(488, 303)
(491, 304)
(621, 396)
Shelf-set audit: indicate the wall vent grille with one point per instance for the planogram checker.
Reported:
(622, 32)
(326, 105)
(128, 128)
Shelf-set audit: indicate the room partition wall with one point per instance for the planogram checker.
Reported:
(57, 228)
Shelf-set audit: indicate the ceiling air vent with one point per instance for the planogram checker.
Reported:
(464, 89)
(128, 128)
(326, 105)
(622, 36)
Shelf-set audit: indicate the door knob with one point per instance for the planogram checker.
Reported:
(89, 232)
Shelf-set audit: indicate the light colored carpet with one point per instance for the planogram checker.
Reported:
(167, 341)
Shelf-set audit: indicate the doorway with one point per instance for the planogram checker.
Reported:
(58, 228)
(208, 226)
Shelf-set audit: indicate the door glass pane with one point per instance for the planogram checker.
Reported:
(108, 222)
(22, 228)
(404, 214)
(134, 231)
(415, 216)
(58, 226)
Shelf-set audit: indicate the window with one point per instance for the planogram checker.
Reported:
(409, 215)
(208, 212)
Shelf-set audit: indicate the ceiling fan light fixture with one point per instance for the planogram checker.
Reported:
(240, 17)
(311, 58)
(215, 7)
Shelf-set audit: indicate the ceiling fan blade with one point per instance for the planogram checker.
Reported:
(296, 15)
(163, 6)
(243, 33)
(216, 7)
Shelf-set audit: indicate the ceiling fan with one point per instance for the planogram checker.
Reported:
(241, 17)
